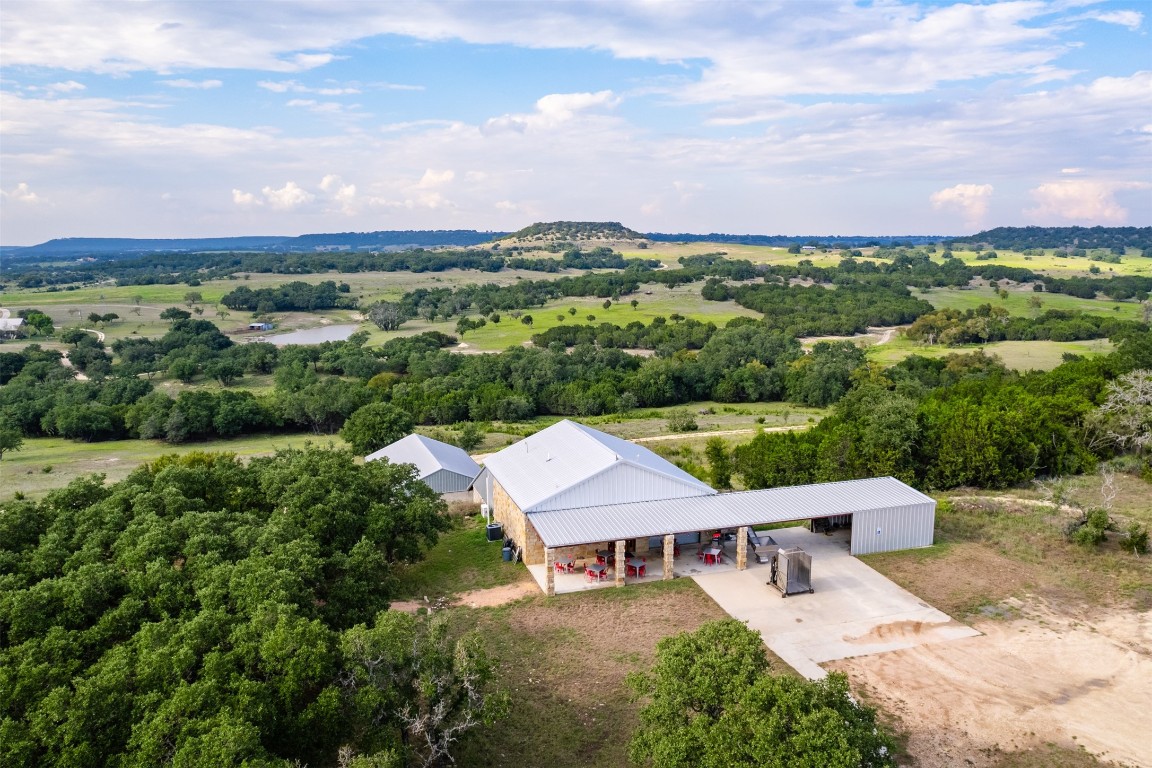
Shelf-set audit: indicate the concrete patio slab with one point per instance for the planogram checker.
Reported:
(854, 611)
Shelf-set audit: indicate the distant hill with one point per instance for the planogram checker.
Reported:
(1021, 238)
(80, 246)
(575, 230)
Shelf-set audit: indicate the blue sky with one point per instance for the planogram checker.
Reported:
(185, 119)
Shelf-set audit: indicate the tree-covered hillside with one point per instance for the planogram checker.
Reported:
(576, 230)
(1023, 238)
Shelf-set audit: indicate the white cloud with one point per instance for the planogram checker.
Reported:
(201, 85)
(970, 199)
(433, 178)
(552, 110)
(288, 197)
(1082, 201)
(68, 86)
(21, 193)
(245, 199)
(291, 86)
(1130, 19)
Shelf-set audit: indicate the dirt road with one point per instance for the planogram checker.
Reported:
(1046, 676)
(719, 433)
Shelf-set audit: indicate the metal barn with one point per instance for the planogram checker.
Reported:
(444, 468)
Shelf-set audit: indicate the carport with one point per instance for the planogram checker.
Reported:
(885, 515)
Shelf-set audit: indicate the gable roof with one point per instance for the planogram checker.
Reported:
(429, 456)
(566, 454)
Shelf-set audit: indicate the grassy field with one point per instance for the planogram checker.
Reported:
(1017, 302)
(45, 463)
(1018, 355)
(462, 560)
(1130, 264)
(990, 548)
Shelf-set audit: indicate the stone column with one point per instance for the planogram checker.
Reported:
(549, 571)
(742, 548)
(669, 555)
(620, 563)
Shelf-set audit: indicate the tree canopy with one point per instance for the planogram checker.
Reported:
(712, 702)
(207, 612)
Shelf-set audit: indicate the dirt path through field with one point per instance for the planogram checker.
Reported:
(1043, 677)
(718, 433)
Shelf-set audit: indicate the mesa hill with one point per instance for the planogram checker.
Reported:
(574, 231)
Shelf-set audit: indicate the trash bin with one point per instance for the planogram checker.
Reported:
(495, 531)
(507, 554)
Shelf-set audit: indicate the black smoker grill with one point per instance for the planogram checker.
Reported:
(791, 572)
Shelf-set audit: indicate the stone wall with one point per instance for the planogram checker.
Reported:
(516, 526)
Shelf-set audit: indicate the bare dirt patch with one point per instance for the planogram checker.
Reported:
(476, 598)
(1045, 679)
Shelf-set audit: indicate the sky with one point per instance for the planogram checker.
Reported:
(143, 118)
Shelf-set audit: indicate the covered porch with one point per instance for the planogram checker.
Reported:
(575, 568)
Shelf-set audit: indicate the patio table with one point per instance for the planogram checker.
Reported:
(712, 555)
(596, 570)
(566, 563)
(636, 564)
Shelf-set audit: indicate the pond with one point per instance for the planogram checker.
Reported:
(314, 335)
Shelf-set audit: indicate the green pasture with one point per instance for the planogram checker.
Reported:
(1132, 263)
(1018, 355)
(45, 463)
(1018, 302)
(661, 302)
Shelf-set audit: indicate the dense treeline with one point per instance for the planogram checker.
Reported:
(318, 388)
(963, 420)
(193, 268)
(205, 611)
(432, 303)
(815, 310)
(662, 335)
(290, 297)
(1022, 238)
(987, 323)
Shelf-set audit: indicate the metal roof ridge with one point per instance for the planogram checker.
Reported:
(604, 469)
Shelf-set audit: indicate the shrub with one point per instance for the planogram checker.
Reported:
(1136, 539)
(682, 421)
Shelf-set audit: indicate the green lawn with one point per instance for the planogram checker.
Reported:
(24, 471)
(1019, 355)
(462, 560)
(1018, 300)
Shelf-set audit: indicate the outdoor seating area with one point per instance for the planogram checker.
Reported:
(598, 569)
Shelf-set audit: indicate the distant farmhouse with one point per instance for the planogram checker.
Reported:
(10, 327)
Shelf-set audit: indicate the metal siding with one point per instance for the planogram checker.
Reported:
(445, 481)
(608, 522)
(619, 485)
(903, 527)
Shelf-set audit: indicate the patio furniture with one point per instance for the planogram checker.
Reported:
(713, 556)
(597, 572)
(635, 566)
(565, 564)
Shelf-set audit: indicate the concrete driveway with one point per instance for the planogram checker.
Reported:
(854, 610)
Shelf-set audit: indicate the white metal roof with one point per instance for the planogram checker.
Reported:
(10, 323)
(612, 522)
(428, 455)
(566, 454)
